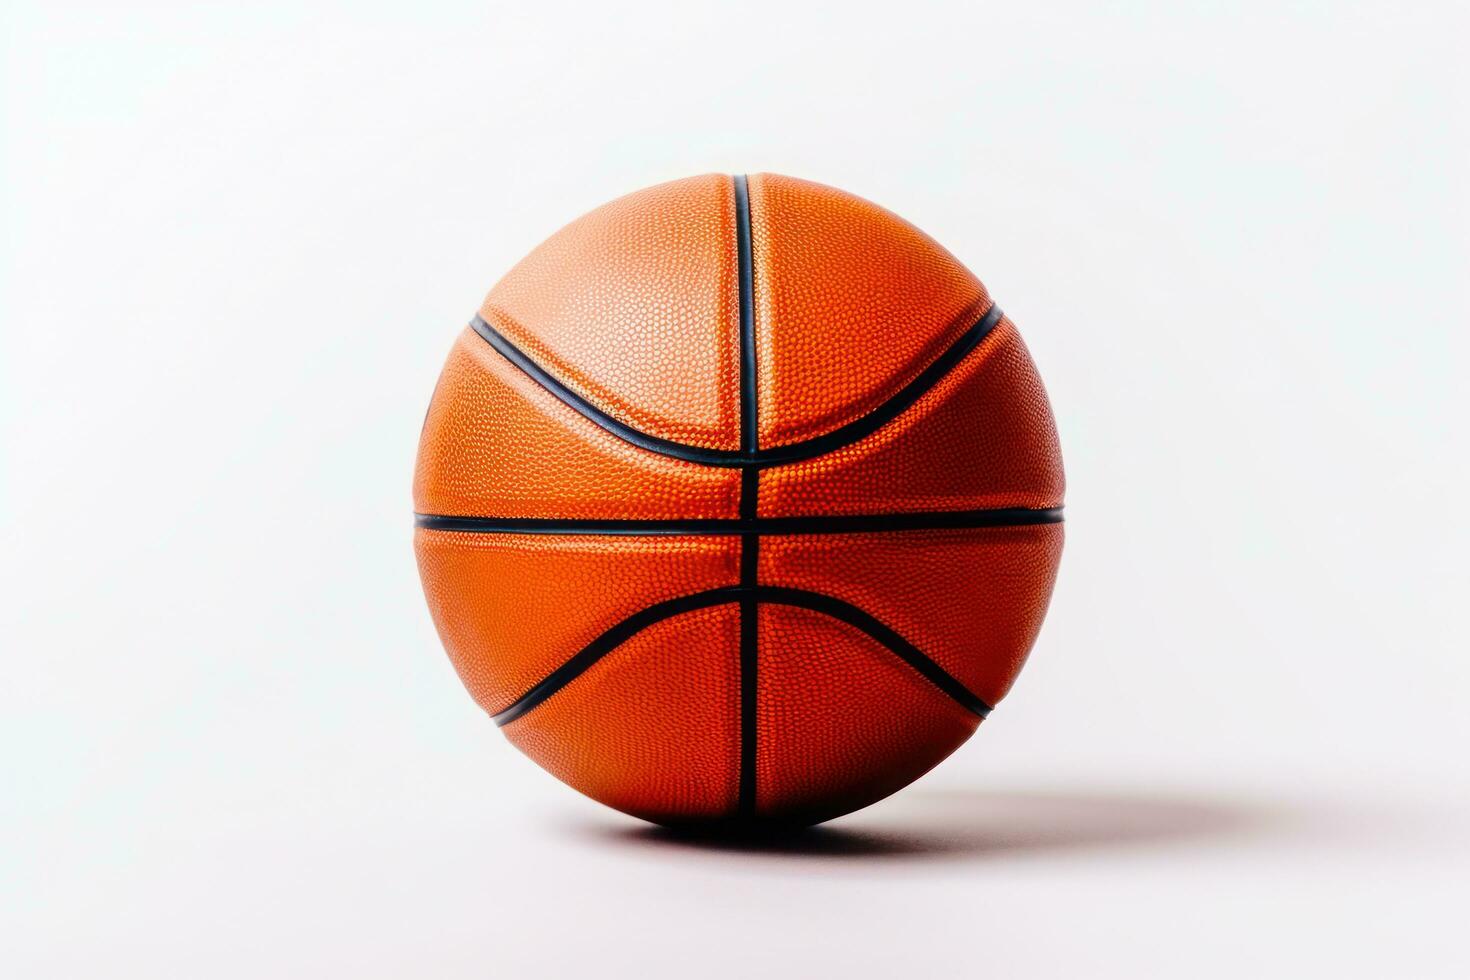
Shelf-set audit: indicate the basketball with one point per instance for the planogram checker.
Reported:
(739, 501)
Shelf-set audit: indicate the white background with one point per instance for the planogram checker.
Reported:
(238, 245)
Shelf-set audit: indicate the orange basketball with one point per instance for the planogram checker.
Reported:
(739, 500)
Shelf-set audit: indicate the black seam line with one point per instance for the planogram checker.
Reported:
(746, 279)
(832, 524)
(775, 455)
(750, 477)
(778, 595)
(906, 651)
(606, 643)
(749, 689)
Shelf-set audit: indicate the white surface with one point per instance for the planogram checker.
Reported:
(238, 246)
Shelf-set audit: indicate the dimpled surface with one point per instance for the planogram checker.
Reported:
(842, 721)
(654, 273)
(851, 302)
(636, 308)
(982, 437)
(971, 598)
(653, 728)
(511, 607)
(497, 444)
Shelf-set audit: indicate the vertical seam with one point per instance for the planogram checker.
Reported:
(749, 494)
(749, 441)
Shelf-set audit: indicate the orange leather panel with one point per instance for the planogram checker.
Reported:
(511, 608)
(497, 444)
(653, 728)
(841, 721)
(851, 302)
(981, 437)
(634, 307)
(972, 599)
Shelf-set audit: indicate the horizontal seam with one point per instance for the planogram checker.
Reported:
(812, 524)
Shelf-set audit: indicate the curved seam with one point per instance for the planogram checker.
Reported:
(608, 641)
(721, 526)
(896, 404)
(844, 435)
(817, 602)
(885, 635)
(575, 401)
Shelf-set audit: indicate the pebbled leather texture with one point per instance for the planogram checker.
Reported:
(652, 729)
(982, 437)
(854, 301)
(721, 709)
(842, 723)
(655, 273)
(510, 607)
(972, 599)
(496, 444)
